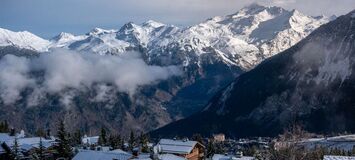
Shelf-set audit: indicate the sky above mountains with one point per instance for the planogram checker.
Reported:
(47, 18)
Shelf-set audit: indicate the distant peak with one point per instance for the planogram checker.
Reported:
(254, 6)
(62, 35)
(97, 31)
(152, 23)
(65, 34)
(295, 12)
(128, 26)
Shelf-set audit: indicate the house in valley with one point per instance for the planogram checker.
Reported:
(90, 140)
(191, 150)
(219, 137)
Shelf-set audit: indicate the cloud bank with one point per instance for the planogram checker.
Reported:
(62, 69)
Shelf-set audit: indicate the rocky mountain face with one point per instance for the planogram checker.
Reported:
(311, 84)
(211, 54)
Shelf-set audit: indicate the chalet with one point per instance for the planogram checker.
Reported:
(219, 137)
(26, 146)
(191, 150)
(90, 140)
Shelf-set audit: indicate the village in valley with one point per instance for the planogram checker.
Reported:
(293, 144)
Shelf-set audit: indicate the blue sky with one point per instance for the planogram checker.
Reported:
(47, 18)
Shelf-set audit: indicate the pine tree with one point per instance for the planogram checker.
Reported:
(4, 127)
(115, 141)
(122, 143)
(112, 141)
(12, 132)
(119, 142)
(15, 150)
(40, 132)
(210, 148)
(144, 140)
(48, 133)
(198, 138)
(41, 149)
(63, 147)
(102, 138)
(131, 141)
(76, 138)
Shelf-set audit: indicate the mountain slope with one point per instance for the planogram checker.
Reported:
(211, 55)
(312, 84)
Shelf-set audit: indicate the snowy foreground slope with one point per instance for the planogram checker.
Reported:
(211, 54)
(311, 84)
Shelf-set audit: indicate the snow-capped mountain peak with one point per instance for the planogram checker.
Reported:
(23, 39)
(63, 36)
(242, 39)
(64, 39)
(97, 31)
(152, 24)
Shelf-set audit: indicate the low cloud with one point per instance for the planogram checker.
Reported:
(62, 69)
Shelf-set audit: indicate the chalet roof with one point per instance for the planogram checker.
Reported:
(230, 157)
(169, 157)
(5, 137)
(142, 157)
(29, 143)
(119, 151)
(176, 146)
(100, 155)
(338, 158)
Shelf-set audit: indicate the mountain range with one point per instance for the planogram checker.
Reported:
(310, 84)
(212, 54)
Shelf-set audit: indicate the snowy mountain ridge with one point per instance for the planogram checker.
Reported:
(242, 39)
(309, 84)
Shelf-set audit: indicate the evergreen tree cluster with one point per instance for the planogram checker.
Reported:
(63, 147)
(4, 127)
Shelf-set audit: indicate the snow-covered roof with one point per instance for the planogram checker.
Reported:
(142, 157)
(176, 146)
(29, 143)
(338, 158)
(100, 155)
(170, 157)
(230, 157)
(119, 151)
(5, 137)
